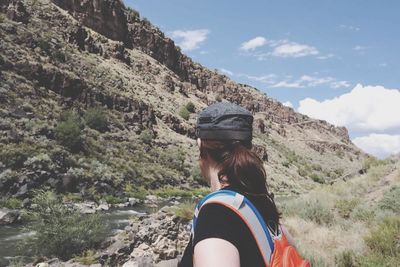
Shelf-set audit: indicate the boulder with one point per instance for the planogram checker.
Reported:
(8, 216)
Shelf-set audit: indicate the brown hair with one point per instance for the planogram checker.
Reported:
(243, 168)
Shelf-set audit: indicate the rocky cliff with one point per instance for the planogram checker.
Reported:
(59, 56)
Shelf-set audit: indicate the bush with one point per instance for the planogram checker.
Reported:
(10, 203)
(371, 161)
(345, 259)
(44, 45)
(13, 156)
(59, 231)
(137, 192)
(110, 199)
(184, 113)
(146, 136)
(173, 158)
(316, 208)
(363, 214)
(384, 243)
(391, 200)
(96, 118)
(316, 178)
(190, 107)
(184, 210)
(59, 56)
(69, 133)
(345, 207)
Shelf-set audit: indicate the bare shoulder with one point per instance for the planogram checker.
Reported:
(211, 252)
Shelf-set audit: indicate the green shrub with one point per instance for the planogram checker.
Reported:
(383, 242)
(345, 207)
(190, 107)
(184, 210)
(364, 214)
(391, 200)
(8, 177)
(59, 231)
(173, 158)
(69, 133)
(137, 192)
(110, 199)
(146, 136)
(14, 155)
(96, 118)
(314, 208)
(316, 178)
(184, 113)
(345, 259)
(302, 172)
(384, 239)
(371, 161)
(1, 18)
(44, 45)
(59, 56)
(10, 203)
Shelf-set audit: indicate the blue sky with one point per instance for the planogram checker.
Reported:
(296, 50)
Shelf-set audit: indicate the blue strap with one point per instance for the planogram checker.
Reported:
(247, 202)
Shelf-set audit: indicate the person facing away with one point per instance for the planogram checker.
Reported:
(222, 238)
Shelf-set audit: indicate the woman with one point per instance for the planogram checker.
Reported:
(222, 238)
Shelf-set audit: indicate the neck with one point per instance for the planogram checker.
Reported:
(215, 184)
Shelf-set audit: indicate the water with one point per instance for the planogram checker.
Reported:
(118, 219)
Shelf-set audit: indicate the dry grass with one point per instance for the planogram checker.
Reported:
(330, 223)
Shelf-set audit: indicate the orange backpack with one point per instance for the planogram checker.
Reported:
(275, 248)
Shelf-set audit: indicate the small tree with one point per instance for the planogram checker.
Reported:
(96, 118)
(146, 136)
(68, 132)
(184, 113)
(190, 107)
(59, 231)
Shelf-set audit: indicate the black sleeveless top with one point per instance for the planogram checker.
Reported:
(218, 221)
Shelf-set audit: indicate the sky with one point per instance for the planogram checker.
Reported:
(337, 60)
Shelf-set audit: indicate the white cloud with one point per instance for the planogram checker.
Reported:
(253, 43)
(268, 78)
(190, 40)
(380, 145)
(293, 49)
(288, 104)
(304, 81)
(364, 108)
(326, 56)
(360, 48)
(349, 28)
(225, 71)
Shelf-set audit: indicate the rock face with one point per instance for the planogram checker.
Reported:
(159, 239)
(104, 16)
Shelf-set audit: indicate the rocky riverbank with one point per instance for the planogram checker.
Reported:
(150, 240)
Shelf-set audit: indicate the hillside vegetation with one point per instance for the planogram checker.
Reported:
(96, 101)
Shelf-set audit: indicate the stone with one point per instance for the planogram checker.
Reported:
(8, 216)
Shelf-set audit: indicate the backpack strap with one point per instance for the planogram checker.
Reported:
(247, 212)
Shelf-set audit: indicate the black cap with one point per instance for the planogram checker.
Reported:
(225, 120)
